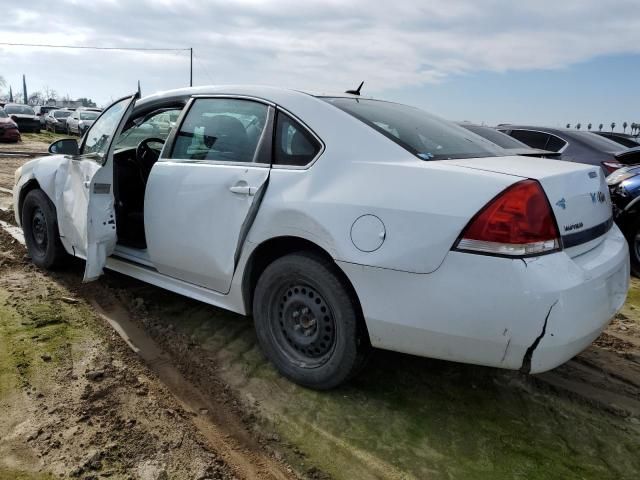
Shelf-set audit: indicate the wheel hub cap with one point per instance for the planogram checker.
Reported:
(305, 321)
(39, 228)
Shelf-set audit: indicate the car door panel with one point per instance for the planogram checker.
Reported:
(194, 220)
(84, 197)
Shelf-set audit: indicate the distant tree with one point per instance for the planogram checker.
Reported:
(49, 93)
(36, 98)
(3, 82)
(589, 126)
(600, 127)
(568, 125)
(25, 97)
(613, 125)
(624, 127)
(87, 102)
(578, 125)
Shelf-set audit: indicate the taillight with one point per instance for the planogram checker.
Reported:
(518, 222)
(611, 167)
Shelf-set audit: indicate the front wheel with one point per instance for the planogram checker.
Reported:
(40, 227)
(307, 322)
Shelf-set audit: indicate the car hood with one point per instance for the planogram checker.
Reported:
(23, 116)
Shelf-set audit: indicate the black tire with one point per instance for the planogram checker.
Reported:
(321, 347)
(633, 239)
(40, 227)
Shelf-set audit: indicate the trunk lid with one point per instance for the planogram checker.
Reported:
(577, 193)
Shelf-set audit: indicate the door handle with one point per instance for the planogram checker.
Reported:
(243, 189)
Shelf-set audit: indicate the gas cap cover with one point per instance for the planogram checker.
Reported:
(368, 233)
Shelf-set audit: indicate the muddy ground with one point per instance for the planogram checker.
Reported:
(197, 400)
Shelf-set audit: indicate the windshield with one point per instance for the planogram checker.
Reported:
(3, 114)
(88, 115)
(597, 142)
(19, 109)
(61, 113)
(156, 125)
(424, 135)
(501, 139)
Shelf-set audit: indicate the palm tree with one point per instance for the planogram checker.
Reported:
(624, 127)
(600, 127)
(613, 125)
(589, 126)
(578, 125)
(568, 125)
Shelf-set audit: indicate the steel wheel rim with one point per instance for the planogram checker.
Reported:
(39, 230)
(303, 325)
(636, 246)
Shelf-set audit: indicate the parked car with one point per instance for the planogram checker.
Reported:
(624, 188)
(42, 111)
(575, 146)
(8, 128)
(513, 146)
(339, 224)
(623, 139)
(24, 116)
(80, 120)
(56, 120)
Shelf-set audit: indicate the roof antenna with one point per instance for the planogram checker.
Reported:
(356, 92)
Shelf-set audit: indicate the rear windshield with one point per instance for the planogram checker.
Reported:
(424, 135)
(501, 139)
(61, 113)
(597, 142)
(88, 115)
(19, 109)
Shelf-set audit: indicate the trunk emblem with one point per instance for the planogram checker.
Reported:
(562, 203)
(593, 174)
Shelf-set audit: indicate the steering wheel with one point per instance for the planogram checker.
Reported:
(147, 156)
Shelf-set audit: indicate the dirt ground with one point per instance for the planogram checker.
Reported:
(119, 379)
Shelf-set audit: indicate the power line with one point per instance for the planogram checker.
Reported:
(85, 47)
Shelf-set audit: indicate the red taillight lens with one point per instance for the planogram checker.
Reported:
(518, 222)
(611, 167)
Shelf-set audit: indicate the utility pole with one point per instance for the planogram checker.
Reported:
(191, 67)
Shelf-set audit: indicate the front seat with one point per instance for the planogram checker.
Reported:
(226, 139)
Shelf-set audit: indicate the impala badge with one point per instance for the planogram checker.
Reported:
(562, 203)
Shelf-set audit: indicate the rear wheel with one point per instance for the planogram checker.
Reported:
(40, 227)
(634, 250)
(307, 322)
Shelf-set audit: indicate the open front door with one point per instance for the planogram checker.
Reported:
(85, 202)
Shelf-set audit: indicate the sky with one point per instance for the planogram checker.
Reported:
(545, 62)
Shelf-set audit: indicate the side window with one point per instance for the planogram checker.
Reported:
(555, 144)
(294, 145)
(533, 139)
(98, 138)
(221, 129)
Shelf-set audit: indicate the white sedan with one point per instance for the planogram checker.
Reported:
(339, 223)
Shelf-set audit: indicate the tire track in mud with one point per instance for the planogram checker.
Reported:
(221, 427)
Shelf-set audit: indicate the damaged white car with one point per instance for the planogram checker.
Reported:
(339, 223)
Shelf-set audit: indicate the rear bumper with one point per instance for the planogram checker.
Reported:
(489, 311)
(10, 135)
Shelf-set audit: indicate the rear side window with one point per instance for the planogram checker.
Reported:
(294, 145)
(531, 138)
(555, 144)
(424, 135)
(221, 129)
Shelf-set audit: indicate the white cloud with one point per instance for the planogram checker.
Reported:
(315, 45)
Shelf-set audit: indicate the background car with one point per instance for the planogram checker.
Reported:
(513, 146)
(575, 146)
(42, 111)
(624, 189)
(24, 116)
(338, 223)
(80, 120)
(623, 139)
(56, 120)
(8, 128)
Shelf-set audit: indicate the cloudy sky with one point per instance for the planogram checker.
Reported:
(534, 61)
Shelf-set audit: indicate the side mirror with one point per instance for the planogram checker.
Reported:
(65, 146)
